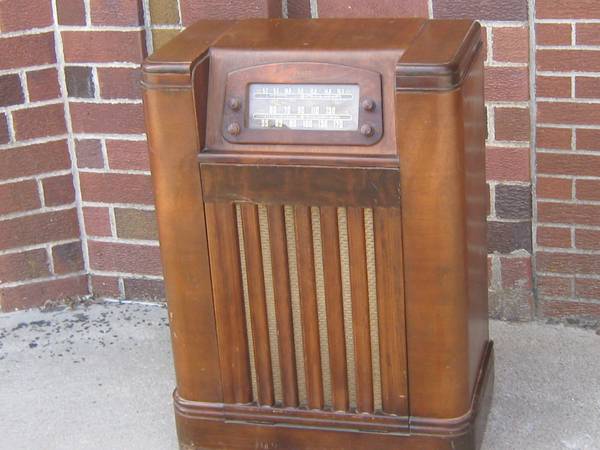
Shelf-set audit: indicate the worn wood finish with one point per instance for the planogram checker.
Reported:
(390, 299)
(258, 304)
(334, 301)
(173, 142)
(283, 306)
(425, 183)
(228, 302)
(202, 424)
(360, 310)
(325, 186)
(308, 301)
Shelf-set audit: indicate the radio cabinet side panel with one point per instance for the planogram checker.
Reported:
(173, 142)
(476, 204)
(430, 137)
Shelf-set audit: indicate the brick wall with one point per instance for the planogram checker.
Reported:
(41, 255)
(76, 94)
(568, 160)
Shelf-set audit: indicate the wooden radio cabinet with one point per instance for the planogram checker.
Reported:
(321, 201)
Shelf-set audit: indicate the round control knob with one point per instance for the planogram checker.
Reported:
(234, 128)
(234, 103)
(367, 130)
(368, 104)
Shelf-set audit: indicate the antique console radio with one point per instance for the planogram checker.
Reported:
(321, 200)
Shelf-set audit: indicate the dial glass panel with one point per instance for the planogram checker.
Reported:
(315, 107)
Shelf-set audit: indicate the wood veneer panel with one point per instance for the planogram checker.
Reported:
(283, 306)
(228, 302)
(335, 313)
(360, 309)
(258, 305)
(390, 300)
(308, 301)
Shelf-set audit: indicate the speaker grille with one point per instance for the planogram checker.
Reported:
(330, 287)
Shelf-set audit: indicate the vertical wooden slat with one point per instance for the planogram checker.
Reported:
(283, 305)
(258, 305)
(308, 300)
(360, 309)
(335, 313)
(390, 297)
(229, 302)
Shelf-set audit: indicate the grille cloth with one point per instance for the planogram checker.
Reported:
(321, 304)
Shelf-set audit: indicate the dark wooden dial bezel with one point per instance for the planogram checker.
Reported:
(238, 81)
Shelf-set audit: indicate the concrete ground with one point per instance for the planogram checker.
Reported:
(100, 377)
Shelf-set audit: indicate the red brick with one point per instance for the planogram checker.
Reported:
(587, 139)
(553, 34)
(103, 46)
(553, 237)
(58, 190)
(97, 221)
(142, 289)
(568, 60)
(36, 294)
(34, 159)
(507, 164)
(89, 153)
(587, 239)
(20, 196)
(588, 34)
(553, 86)
(24, 265)
(193, 10)
(587, 87)
(507, 83)
(16, 15)
(568, 213)
(28, 50)
(105, 286)
(116, 188)
(511, 44)
(4, 134)
(382, 8)
(568, 164)
(39, 229)
(298, 9)
(516, 272)
(481, 9)
(31, 123)
(550, 286)
(43, 84)
(587, 288)
(587, 189)
(70, 12)
(555, 188)
(121, 118)
(568, 309)
(569, 113)
(506, 237)
(116, 12)
(136, 224)
(127, 155)
(568, 263)
(567, 9)
(11, 91)
(68, 258)
(127, 258)
(553, 138)
(512, 124)
(120, 83)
